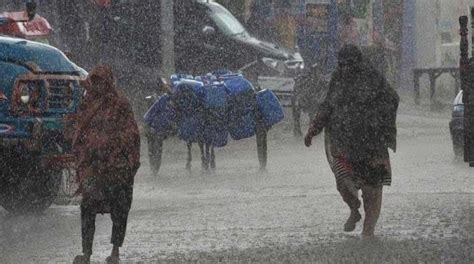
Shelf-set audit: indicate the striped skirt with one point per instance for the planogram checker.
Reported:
(374, 172)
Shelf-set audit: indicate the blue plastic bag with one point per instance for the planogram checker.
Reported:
(269, 107)
(215, 132)
(242, 126)
(237, 85)
(189, 97)
(241, 107)
(191, 128)
(216, 96)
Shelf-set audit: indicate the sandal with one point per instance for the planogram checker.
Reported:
(350, 224)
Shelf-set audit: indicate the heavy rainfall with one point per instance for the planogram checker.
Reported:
(236, 131)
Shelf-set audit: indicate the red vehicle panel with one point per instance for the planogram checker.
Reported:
(17, 24)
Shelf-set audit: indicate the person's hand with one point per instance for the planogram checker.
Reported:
(308, 140)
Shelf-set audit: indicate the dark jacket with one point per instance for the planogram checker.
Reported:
(359, 112)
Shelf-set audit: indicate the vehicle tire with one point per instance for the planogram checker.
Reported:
(155, 151)
(26, 187)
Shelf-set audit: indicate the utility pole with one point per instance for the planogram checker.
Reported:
(167, 38)
(408, 43)
(377, 16)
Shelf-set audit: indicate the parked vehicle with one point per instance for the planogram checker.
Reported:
(39, 90)
(217, 39)
(26, 24)
(456, 126)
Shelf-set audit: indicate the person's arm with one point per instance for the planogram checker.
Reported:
(318, 123)
(389, 101)
(316, 126)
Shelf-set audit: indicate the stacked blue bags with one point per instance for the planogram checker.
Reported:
(209, 108)
(188, 98)
(215, 130)
(242, 105)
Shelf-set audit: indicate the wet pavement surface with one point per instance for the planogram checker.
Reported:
(290, 214)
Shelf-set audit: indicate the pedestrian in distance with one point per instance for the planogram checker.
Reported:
(106, 143)
(359, 119)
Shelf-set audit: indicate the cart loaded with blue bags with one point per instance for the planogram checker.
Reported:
(207, 110)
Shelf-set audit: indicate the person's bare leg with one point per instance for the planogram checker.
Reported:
(114, 255)
(372, 196)
(350, 195)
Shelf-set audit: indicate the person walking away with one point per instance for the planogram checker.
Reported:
(106, 143)
(310, 90)
(359, 118)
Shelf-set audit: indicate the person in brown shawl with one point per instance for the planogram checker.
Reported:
(106, 142)
(359, 118)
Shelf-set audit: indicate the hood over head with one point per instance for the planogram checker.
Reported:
(350, 56)
(101, 80)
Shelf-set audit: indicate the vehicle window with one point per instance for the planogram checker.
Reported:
(226, 22)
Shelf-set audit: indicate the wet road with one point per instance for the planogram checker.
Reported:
(292, 213)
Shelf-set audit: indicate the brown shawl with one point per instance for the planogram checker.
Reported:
(106, 139)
